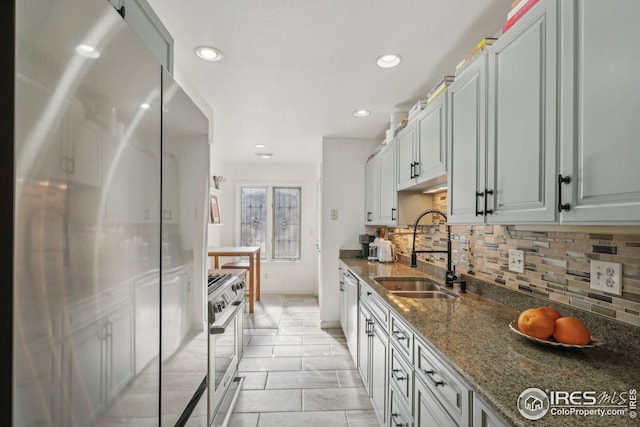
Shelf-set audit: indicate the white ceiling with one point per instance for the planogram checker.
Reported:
(295, 70)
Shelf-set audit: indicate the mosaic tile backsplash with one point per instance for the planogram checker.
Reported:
(557, 263)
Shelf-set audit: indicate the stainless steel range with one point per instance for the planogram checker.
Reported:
(226, 308)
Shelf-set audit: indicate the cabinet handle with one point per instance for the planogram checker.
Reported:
(368, 293)
(413, 174)
(368, 216)
(393, 214)
(395, 423)
(562, 180)
(479, 194)
(394, 374)
(416, 169)
(486, 193)
(399, 335)
(431, 373)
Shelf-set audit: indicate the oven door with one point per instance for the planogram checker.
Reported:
(224, 355)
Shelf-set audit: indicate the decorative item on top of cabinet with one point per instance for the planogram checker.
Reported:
(599, 148)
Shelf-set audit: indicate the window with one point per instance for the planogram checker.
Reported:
(271, 214)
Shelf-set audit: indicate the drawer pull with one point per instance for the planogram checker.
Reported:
(399, 335)
(368, 293)
(395, 423)
(398, 377)
(431, 373)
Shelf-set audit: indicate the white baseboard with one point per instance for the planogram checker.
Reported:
(330, 324)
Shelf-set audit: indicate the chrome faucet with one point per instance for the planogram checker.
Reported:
(450, 277)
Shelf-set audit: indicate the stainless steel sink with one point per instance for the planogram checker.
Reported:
(414, 287)
(408, 284)
(426, 294)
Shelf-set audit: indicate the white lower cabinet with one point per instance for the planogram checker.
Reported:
(428, 410)
(452, 393)
(484, 416)
(373, 354)
(399, 412)
(408, 383)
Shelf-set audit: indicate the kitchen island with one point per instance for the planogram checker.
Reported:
(472, 335)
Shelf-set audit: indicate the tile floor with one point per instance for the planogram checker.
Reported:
(297, 374)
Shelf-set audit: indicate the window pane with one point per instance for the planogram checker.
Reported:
(286, 223)
(253, 218)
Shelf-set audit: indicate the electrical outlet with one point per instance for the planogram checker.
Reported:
(606, 277)
(516, 260)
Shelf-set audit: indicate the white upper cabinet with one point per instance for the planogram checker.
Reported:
(388, 191)
(406, 141)
(466, 144)
(600, 106)
(522, 141)
(431, 126)
(372, 191)
(422, 146)
(381, 204)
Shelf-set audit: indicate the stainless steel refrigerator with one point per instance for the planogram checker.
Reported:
(110, 196)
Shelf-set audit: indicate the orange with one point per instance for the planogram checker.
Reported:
(551, 312)
(536, 323)
(569, 330)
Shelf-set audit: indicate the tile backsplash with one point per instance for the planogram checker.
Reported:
(557, 263)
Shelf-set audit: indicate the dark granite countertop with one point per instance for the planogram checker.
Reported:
(472, 334)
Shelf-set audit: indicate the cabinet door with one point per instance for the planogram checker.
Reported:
(364, 345)
(521, 161)
(466, 143)
(379, 360)
(484, 416)
(83, 371)
(432, 143)
(120, 350)
(600, 148)
(343, 302)
(388, 192)
(427, 410)
(351, 291)
(406, 156)
(372, 190)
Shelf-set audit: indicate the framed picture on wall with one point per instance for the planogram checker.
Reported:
(215, 210)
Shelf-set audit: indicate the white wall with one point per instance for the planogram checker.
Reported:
(282, 276)
(343, 163)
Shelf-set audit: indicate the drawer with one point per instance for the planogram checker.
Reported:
(375, 305)
(399, 414)
(401, 374)
(452, 393)
(402, 336)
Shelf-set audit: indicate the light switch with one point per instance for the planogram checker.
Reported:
(334, 214)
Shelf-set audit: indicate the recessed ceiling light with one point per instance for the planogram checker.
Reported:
(361, 113)
(145, 106)
(264, 155)
(260, 146)
(209, 53)
(388, 61)
(87, 51)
